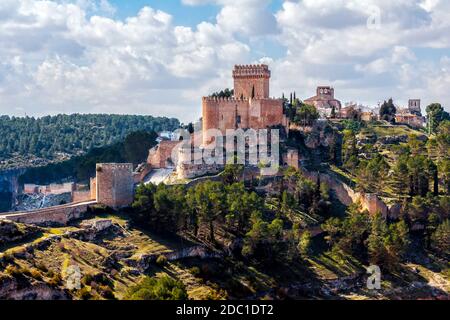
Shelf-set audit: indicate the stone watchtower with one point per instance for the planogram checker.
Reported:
(115, 184)
(251, 81)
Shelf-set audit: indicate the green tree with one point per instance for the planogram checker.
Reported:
(232, 173)
(304, 245)
(400, 177)
(441, 238)
(388, 111)
(305, 115)
(349, 150)
(209, 202)
(137, 145)
(240, 204)
(163, 288)
(143, 205)
(435, 114)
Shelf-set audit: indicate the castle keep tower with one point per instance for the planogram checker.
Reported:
(251, 81)
(250, 108)
(115, 184)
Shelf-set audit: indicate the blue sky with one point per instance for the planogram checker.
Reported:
(183, 14)
(160, 57)
(192, 15)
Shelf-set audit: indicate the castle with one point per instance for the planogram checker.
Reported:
(250, 107)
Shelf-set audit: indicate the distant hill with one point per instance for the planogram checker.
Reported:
(27, 140)
(134, 149)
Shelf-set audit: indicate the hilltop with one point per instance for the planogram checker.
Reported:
(32, 142)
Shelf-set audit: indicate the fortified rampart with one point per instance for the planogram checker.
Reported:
(230, 113)
(160, 156)
(113, 187)
(86, 195)
(53, 188)
(346, 195)
(59, 215)
(115, 184)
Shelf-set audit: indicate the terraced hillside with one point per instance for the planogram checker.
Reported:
(103, 257)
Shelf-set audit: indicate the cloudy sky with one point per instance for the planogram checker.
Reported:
(160, 56)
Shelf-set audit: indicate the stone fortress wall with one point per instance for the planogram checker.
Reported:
(251, 106)
(86, 195)
(346, 195)
(58, 215)
(160, 156)
(113, 187)
(115, 184)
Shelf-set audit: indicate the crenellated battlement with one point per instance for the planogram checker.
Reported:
(251, 106)
(251, 71)
(115, 166)
(224, 99)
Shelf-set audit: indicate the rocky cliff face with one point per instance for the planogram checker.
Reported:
(9, 187)
(12, 232)
(323, 143)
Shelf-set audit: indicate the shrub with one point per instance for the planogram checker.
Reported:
(87, 279)
(84, 293)
(195, 271)
(13, 270)
(36, 274)
(161, 261)
(55, 280)
(106, 292)
(164, 288)
(41, 267)
(99, 209)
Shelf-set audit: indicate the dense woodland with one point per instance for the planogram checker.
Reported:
(71, 134)
(274, 228)
(227, 210)
(133, 149)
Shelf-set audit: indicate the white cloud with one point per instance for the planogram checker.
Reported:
(58, 59)
(329, 43)
(76, 56)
